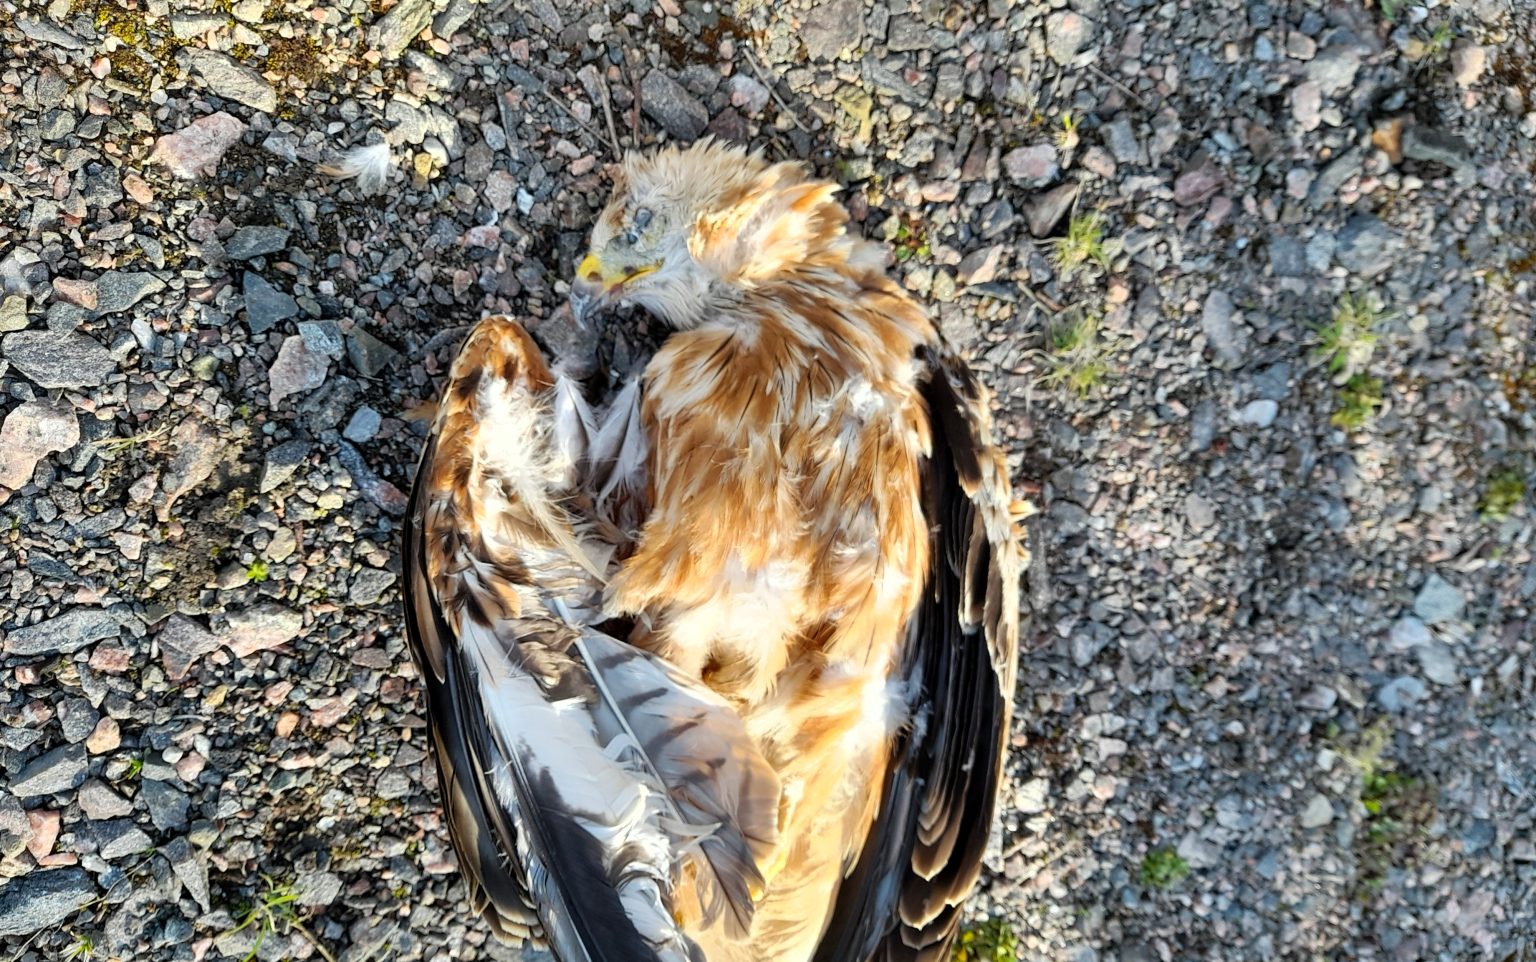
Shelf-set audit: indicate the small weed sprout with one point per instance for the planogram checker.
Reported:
(82, 949)
(1083, 244)
(1506, 489)
(1067, 139)
(1347, 342)
(273, 913)
(1076, 355)
(1163, 868)
(112, 447)
(1359, 397)
(991, 941)
(257, 572)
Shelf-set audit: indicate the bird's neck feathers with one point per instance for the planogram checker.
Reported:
(773, 225)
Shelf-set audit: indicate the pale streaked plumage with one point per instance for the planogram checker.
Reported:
(800, 509)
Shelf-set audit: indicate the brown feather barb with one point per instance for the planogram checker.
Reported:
(721, 669)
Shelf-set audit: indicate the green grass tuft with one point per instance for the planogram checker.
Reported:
(991, 941)
(1163, 868)
(1083, 244)
(1359, 397)
(1077, 356)
(1348, 341)
(1506, 489)
(273, 913)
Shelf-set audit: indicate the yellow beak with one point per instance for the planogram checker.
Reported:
(595, 283)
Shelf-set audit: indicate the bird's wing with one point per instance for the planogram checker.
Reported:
(594, 795)
(902, 896)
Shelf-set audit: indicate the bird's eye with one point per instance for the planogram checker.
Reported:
(637, 223)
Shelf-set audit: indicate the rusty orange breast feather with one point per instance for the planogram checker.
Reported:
(786, 437)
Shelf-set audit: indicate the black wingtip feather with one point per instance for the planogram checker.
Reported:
(901, 900)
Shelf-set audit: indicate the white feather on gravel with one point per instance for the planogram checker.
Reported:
(369, 165)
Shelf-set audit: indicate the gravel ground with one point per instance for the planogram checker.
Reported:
(1280, 696)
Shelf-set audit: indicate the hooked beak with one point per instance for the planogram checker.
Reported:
(595, 285)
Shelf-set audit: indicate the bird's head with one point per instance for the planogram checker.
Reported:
(688, 230)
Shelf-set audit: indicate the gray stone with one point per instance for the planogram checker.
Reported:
(63, 633)
(64, 317)
(1200, 511)
(1320, 698)
(232, 80)
(31, 432)
(167, 805)
(1088, 641)
(1407, 632)
(447, 23)
(1438, 662)
(1033, 164)
(1401, 693)
(1366, 245)
(363, 426)
(1437, 147)
(374, 488)
(45, 32)
(182, 643)
(1222, 331)
(1198, 852)
(1066, 34)
(1334, 67)
(120, 290)
(265, 305)
(669, 103)
(907, 33)
(190, 26)
(56, 125)
(979, 266)
(369, 355)
(280, 464)
(191, 869)
(1120, 138)
(51, 359)
(832, 27)
(1287, 257)
(1044, 211)
(395, 31)
(254, 241)
(1438, 601)
(119, 839)
(1274, 382)
(368, 585)
(1319, 812)
(1032, 795)
(1260, 413)
(56, 771)
(318, 889)
(99, 802)
(77, 719)
(322, 337)
(43, 899)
